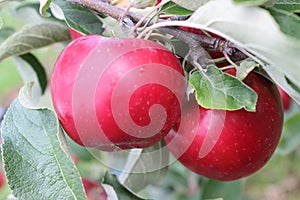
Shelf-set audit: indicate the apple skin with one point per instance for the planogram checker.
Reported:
(246, 140)
(198, 31)
(286, 99)
(93, 190)
(92, 106)
(75, 34)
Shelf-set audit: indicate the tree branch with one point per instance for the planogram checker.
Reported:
(106, 9)
(193, 40)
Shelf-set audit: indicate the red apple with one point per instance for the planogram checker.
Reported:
(93, 190)
(117, 93)
(286, 99)
(198, 31)
(228, 145)
(75, 34)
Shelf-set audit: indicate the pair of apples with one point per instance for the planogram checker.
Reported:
(120, 93)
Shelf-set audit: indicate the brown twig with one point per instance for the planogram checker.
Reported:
(195, 41)
(106, 9)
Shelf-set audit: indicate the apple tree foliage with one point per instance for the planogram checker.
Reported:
(37, 154)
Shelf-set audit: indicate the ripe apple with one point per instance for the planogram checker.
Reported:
(198, 31)
(93, 190)
(228, 145)
(117, 93)
(75, 34)
(286, 99)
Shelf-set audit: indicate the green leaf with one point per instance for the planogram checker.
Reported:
(224, 190)
(288, 5)
(284, 82)
(122, 192)
(145, 166)
(289, 23)
(290, 140)
(33, 5)
(218, 90)
(251, 2)
(29, 78)
(293, 85)
(245, 68)
(277, 53)
(44, 5)
(79, 18)
(32, 71)
(36, 162)
(174, 9)
(5, 32)
(36, 7)
(33, 37)
(38, 69)
(190, 5)
(54, 14)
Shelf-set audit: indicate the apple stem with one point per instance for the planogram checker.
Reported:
(229, 60)
(125, 13)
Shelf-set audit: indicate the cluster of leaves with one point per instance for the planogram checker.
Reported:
(35, 152)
